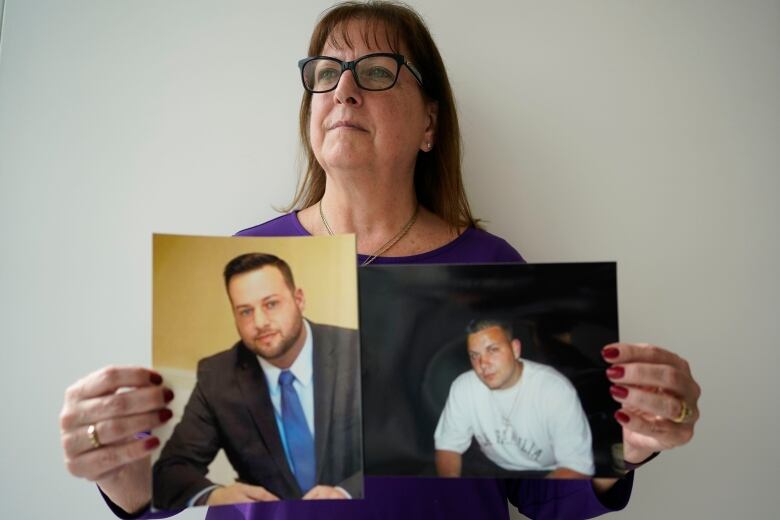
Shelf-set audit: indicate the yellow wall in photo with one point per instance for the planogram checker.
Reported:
(191, 315)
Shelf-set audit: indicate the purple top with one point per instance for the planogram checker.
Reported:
(413, 498)
(473, 246)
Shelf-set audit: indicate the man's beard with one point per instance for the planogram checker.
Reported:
(285, 344)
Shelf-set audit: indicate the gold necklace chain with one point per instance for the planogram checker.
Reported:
(387, 245)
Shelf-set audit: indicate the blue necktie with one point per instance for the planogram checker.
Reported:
(300, 444)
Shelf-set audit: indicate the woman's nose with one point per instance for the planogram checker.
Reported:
(347, 90)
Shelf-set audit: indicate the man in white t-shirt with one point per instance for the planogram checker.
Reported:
(525, 416)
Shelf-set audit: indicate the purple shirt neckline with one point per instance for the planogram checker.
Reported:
(409, 259)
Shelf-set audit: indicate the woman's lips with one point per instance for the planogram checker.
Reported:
(347, 125)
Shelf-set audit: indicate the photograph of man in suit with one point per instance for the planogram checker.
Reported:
(525, 416)
(283, 402)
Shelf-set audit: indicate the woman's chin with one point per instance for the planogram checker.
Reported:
(345, 156)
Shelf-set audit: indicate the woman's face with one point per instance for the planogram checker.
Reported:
(360, 130)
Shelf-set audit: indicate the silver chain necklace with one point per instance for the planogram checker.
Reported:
(506, 419)
(387, 245)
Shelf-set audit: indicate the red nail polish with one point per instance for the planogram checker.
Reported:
(621, 417)
(610, 352)
(616, 372)
(168, 395)
(165, 414)
(151, 443)
(155, 378)
(621, 392)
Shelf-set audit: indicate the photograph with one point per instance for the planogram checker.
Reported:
(496, 370)
(264, 350)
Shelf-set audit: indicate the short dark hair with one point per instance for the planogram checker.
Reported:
(253, 261)
(475, 326)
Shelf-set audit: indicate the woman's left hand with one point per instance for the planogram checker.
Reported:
(658, 396)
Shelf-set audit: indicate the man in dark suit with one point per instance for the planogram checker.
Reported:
(284, 402)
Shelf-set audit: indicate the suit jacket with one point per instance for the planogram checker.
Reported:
(231, 408)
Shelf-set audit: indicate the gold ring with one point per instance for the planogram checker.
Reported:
(685, 413)
(93, 436)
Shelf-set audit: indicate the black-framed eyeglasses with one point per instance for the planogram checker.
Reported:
(378, 71)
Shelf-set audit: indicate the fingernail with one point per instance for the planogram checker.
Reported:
(621, 417)
(168, 395)
(165, 414)
(151, 443)
(610, 352)
(155, 378)
(621, 392)
(616, 372)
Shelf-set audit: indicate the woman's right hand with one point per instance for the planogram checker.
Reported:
(102, 424)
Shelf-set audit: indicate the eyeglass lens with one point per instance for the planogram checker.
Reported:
(371, 73)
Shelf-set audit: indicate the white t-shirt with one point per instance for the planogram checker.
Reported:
(547, 427)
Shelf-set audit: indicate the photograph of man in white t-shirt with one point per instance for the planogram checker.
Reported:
(525, 416)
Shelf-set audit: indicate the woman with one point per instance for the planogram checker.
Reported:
(380, 130)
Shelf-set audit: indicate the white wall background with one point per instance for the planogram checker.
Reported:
(645, 132)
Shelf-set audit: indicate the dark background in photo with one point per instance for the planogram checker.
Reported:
(413, 345)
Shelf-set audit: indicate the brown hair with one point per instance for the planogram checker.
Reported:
(437, 177)
(253, 261)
